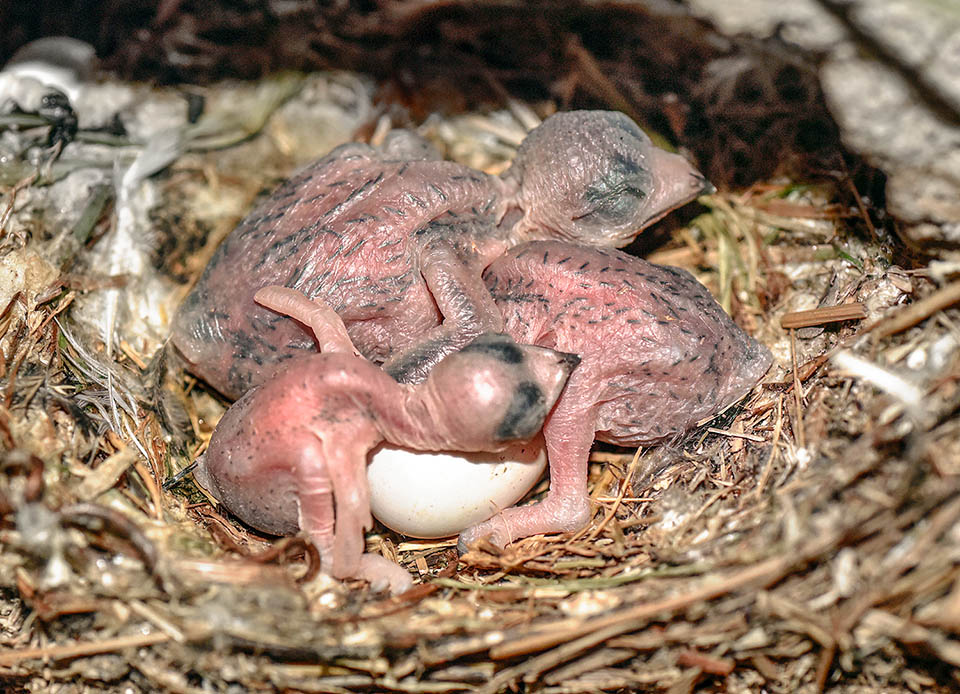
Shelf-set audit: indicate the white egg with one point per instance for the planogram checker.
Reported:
(432, 495)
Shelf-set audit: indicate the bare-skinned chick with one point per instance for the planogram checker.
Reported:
(293, 452)
(395, 240)
(658, 354)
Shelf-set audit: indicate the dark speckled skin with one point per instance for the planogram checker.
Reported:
(349, 230)
(396, 240)
(658, 355)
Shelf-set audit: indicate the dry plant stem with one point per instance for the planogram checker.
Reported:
(754, 245)
(588, 663)
(862, 208)
(797, 390)
(826, 314)
(12, 379)
(77, 650)
(61, 306)
(768, 468)
(706, 663)
(941, 521)
(159, 621)
(6, 435)
(823, 666)
(151, 484)
(735, 434)
(764, 573)
(624, 485)
(531, 668)
(8, 210)
(759, 215)
(289, 546)
(784, 209)
(714, 497)
(117, 523)
(132, 356)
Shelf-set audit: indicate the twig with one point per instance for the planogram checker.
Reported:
(863, 209)
(736, 434)
(768, 468)
(84, 648)
(81, 514)
(8, 211)
(530, 584)
(706, 663)
(589, 663)
(132, 355)
(825, 314)
(797, 390)
(61, 306)
(624, 485)
(823, 666)
(531, 669)
(939, 523)
(630, 619)
(159, 621)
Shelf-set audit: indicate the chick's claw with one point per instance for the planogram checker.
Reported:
(553, 514)
(383, 575)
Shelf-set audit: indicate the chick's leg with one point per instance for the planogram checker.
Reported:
(315, 500)
(466, 305)
(383, 574)
(334, 500)
(327, 326)
(336, 484)
(345, 451)
(569, 434)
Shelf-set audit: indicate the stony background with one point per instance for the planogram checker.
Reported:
(890, 71)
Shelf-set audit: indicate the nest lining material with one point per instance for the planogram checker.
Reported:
(804, 540)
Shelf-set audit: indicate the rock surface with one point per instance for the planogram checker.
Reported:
(891, 77)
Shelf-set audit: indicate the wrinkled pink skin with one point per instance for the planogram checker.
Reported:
(292, 453)
(395, 241)
(658, 354)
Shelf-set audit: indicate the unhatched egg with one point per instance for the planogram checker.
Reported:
(432, 495)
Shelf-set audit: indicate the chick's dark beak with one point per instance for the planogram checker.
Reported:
(700, 183)
(569, 361)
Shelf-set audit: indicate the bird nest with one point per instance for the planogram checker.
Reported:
(804, 540)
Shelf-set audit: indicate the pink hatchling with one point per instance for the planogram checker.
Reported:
(292, 453)
(395, 240)
(658, 354)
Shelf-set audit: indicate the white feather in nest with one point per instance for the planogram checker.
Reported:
(113, 401)
(138, 310)
(62, 65)
(139, 304)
